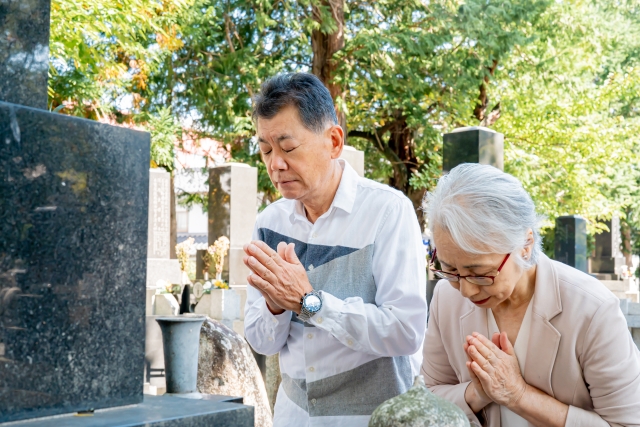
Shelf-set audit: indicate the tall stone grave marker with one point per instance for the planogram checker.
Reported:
(159, 264)
(354, 157)
(475, 144)
(73, 230)
(571, 241)
(233, 198)
(73, 250)
(24, 52)
(608, 255)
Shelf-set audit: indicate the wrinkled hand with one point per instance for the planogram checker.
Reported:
(496, 368)
(279, 276)
(475, 395)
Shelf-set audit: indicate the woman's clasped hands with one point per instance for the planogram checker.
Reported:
(495, 373)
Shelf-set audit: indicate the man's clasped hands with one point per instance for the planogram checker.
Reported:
(278, 275)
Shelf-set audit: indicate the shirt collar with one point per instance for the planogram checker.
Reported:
(345, 197)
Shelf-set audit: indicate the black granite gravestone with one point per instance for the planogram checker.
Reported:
(24, 52)
(472, 145)
(608, 256)
(571, 241)
(73, 250)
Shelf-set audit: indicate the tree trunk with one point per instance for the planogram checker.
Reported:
(399, 150)
(404, 163)
(324, 46)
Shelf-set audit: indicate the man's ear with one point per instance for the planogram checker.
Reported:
(336, 133)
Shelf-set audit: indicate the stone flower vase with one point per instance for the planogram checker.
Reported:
(181, 341)
(418, 407)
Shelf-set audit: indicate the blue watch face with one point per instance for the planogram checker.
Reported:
(312, 303)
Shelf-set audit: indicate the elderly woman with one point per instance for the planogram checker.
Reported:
(514, 338)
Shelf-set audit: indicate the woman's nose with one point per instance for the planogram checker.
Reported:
(468, 289)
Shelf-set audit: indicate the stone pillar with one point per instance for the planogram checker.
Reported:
(571, 241)
(472, 145)
(608, 256)
(233, 207)
(159, 265)
(354, 157)
(24, 52)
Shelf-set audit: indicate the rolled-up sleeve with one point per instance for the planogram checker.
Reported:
(611, 367)
(395, 325)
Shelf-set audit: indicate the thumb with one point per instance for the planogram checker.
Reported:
(290, 254)
(282, 246)
(505, 344)
(495, 339)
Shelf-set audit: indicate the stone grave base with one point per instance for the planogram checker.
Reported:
(159, 411)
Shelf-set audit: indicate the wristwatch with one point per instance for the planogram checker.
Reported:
(310, 304)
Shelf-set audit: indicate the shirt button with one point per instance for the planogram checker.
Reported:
(319, 320)
(270, 338)
(313, 401)
(311, 369)
(310, 336)
(314, 235)
(349, 342)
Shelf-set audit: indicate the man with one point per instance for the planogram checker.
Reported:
(338, 268)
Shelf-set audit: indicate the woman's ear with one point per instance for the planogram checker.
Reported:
(528, 245)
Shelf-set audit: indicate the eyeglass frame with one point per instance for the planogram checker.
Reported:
(493, 278)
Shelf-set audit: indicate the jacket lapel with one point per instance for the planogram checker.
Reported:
(544, 338)
(474, 320)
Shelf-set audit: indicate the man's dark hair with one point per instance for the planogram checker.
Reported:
(305, 91)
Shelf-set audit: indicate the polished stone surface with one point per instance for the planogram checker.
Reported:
(571, 241)
(24, 52)
(160, 411)
(73, 248)
(472, 145)
(608, 257)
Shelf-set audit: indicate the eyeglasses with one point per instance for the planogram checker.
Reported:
(476, 280)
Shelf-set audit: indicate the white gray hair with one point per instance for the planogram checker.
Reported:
(485, 211)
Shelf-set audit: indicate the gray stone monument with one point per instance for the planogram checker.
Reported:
(608, 256)
(24, 52)
(354, 157)
(73, 251)
(571, 241)
(233, 200)
(475, 144)
(159, 264)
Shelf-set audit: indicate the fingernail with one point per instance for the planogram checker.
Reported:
(475, 334)
(252, 260)
(253, 247)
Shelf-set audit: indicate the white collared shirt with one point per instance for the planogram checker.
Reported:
(364, 346)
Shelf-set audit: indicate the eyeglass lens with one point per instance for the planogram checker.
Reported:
(481, 281)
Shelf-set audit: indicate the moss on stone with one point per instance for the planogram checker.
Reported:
(418, 407)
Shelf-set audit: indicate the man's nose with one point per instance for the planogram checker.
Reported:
(278, 162)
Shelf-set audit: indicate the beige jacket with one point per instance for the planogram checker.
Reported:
(580, 350)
